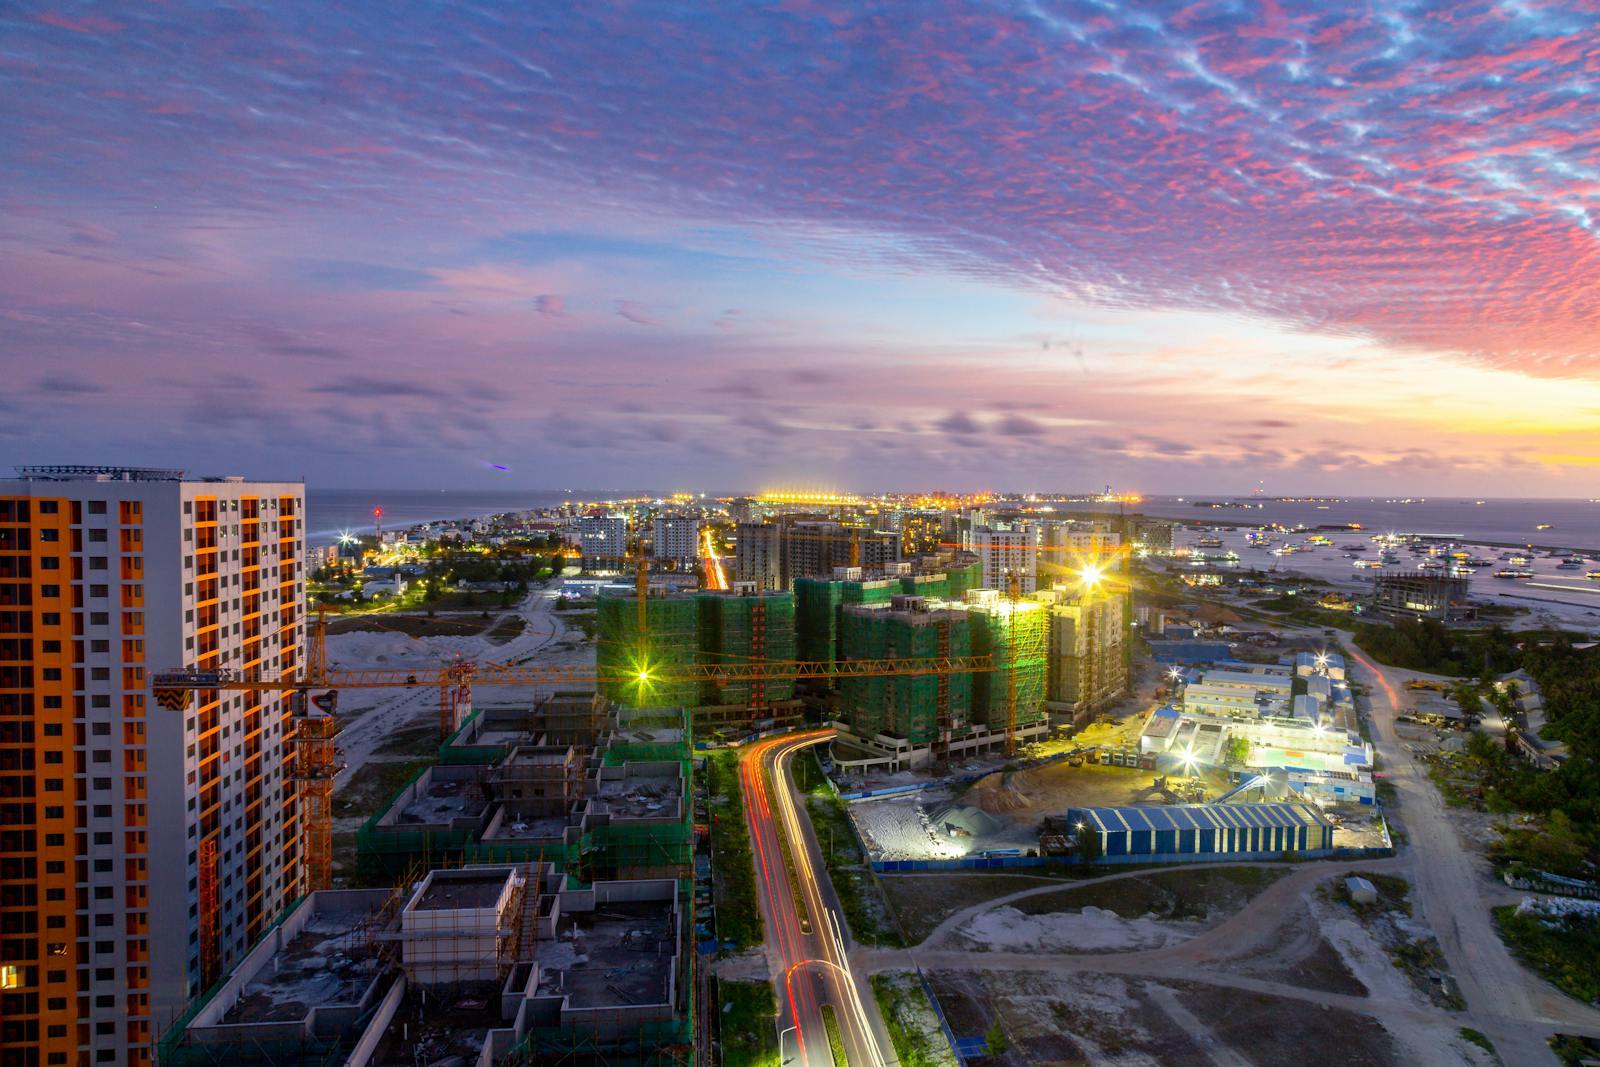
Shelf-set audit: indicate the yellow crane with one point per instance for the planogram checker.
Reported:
(314, 696)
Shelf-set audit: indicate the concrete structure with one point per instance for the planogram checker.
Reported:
(1200, 832)
(477, 966)
(775, 554)
(1420, 594)
(676, 539)
(1005, 551)
(1361, 891)
(146, 849)
(603, 539)
(1087, 669)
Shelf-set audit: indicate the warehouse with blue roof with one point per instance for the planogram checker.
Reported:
(1196, 832)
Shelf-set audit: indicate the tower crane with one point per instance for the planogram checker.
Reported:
(314, 698)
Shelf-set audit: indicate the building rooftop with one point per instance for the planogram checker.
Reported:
(620, 953)
(443, 800)
(466, 888)
(1200, 816)
(328, 962)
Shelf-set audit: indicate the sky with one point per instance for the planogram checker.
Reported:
(1013, 246)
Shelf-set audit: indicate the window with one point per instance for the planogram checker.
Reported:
(100, 647)
(55, 811)
(99, 618)
(52, 757)
(96, 536)
(98, 592)
(97, 563)
(49, 563)
(97, 507)
(51, 618)
(49, 535)
(51, 674)
(46, 507)
(50, 591)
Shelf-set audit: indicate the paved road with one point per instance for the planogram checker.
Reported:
(806, 947)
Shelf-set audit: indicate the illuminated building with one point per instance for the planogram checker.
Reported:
(145, 849)
(676, 539)
(1005, 550)
(1087, 669)
(603, 539)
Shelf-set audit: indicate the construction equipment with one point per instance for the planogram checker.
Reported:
(1013, 594)
(315, 763)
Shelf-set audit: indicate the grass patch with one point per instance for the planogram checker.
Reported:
(913, 1027)
(373, 786)
(1449, 789)
(922, 901)
(733, 863)
(587, 622)
(1176, 895)
(507, 628)
(417, 741)
(835, 1039)
(746, 1014)
(865, 909)
(1560, 950)
(1477, 1037)
(1573, 1050)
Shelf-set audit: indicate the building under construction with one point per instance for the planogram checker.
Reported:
(907, 721)
(480, 965)
(736, 626)
(1087, 663)
(820, 602)
(505, 793)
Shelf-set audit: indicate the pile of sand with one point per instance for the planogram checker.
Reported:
(997, 793)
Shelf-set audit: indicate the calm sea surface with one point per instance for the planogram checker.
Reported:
(1573, 523)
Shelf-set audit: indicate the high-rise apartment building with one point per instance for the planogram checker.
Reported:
(677, 539)
(1087, 666)
(603, 539)
(758, 554)
(1006, 550)
(142, 850)
(774, 554)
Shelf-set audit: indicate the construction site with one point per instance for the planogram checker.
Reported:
(906, 722)
(478, 965)
(602, 794)
(642, 644)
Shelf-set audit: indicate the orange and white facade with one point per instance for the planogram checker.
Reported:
(142, 851)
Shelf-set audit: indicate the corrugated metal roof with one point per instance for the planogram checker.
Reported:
(1199, 816)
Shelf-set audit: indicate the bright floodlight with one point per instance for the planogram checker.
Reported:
(644, 676)
(1322, 659)
(1091, 574)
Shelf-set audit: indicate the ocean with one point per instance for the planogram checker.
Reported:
(1573, 524)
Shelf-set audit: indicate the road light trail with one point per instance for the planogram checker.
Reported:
(808, 936)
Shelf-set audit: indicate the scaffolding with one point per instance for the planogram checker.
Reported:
(922, 709)
(670, 639)
(1014, 635)
(210, 935)
(747, 628)
(315, 764)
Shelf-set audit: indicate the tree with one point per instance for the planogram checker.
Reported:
(995, 1039)
(1236, 752)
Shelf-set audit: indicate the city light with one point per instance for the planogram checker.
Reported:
(1091, 575)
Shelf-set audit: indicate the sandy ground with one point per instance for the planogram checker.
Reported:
(373, 715)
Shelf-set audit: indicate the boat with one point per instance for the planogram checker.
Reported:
(1593, 576)
(1209, 542)
(1513, 575)
(1516, 561)
(1479, 561)
(1544, 526)
(1568, 565)
(1369, 564)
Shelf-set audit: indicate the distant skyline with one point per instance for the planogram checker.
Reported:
(1173, 248)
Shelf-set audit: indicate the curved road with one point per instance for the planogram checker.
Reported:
(806, 937)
